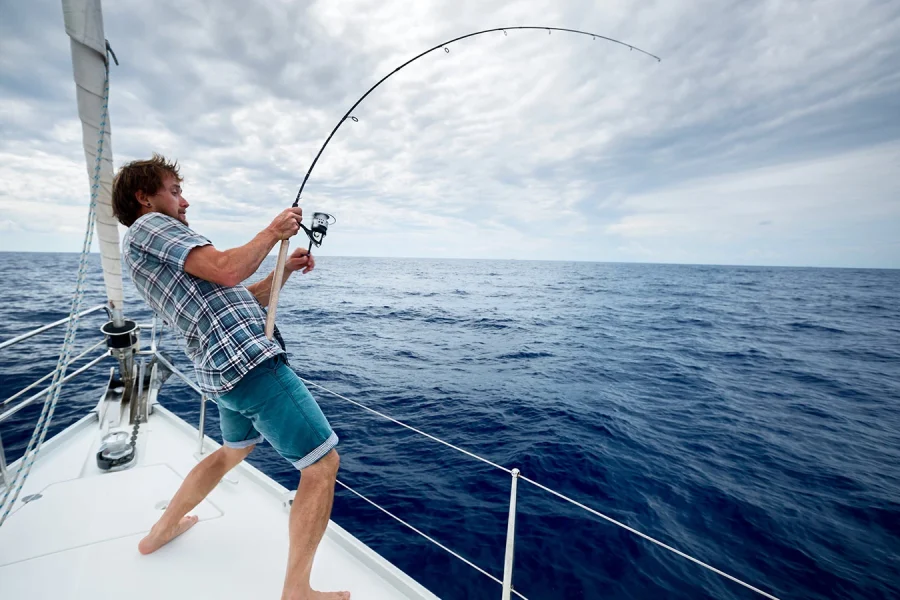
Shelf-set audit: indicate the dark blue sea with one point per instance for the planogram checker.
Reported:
(747, 416)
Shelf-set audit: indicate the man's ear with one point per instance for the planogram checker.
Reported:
(142, 198)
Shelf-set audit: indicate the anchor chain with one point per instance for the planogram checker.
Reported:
(134, 432)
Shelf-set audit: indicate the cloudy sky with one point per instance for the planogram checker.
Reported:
(768, 134)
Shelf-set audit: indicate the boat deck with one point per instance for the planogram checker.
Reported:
(79, 538)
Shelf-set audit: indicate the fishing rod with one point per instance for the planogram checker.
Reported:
(321, 220)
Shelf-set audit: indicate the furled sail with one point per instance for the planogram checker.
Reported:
(84, 24)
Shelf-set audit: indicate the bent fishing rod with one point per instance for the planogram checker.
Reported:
(321, 220)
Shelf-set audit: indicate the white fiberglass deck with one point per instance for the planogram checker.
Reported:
(79, 539)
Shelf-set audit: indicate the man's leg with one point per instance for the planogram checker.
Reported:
(309, 518)
(196, 486)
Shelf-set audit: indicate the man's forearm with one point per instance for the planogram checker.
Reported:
(262, 289)
(243, 261)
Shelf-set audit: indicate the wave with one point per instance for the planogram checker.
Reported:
(807, 325)
(524, 355)
(736, 412)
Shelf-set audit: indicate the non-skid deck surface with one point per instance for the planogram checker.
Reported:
(79, 539)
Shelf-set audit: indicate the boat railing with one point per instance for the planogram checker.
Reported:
(514, 473)
(7, 411)
(6, 414)
(515, 476)
(43, 328)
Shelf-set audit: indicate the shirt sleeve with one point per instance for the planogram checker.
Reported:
(167, 240)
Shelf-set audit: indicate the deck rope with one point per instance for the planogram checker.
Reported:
(14, 487)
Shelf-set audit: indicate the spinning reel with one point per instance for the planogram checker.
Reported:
(320, 223)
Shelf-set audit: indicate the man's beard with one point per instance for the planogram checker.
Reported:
(181, 217)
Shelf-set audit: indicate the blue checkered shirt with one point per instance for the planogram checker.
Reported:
(223, 327)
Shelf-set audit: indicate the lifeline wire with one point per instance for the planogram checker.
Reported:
(420, 432)
(27, 402)
(48, 375)
(540, 486)
(648, 538)
(43, 425)
(427, 537)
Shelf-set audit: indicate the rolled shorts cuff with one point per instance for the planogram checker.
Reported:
(243, 443)
(314, 456)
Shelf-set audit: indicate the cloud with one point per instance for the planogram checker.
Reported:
(506, 145)
(843, 201)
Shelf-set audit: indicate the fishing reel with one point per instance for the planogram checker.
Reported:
(320, 223)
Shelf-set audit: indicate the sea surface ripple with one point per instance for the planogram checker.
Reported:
(747, 416)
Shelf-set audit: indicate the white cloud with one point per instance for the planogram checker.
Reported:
(508, 146)
(830, 201)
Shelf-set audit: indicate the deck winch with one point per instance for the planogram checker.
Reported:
(116, 451)
(120, 335)
(122, 340)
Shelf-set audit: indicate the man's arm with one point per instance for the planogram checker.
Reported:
(230, 267)
(299, 259)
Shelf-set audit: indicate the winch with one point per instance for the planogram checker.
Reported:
(116, 452)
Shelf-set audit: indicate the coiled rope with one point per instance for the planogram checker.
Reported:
(14, 487)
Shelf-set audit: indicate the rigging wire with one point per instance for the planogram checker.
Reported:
(14, 487)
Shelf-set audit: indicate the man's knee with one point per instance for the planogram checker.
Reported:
(325, 467)
(331, 462)
(232, 456)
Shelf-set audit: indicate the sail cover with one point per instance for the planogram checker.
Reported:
(84, 24)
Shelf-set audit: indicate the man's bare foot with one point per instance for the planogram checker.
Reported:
(157, 538)
(314, 595)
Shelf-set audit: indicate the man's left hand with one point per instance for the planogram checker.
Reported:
(300, 259)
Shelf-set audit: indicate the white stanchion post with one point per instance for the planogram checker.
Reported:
(510, 537)
(202, 421)
(4, 477)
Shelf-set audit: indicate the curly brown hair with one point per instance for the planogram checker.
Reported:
(139, 175)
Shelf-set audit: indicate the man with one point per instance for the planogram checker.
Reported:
(198, 290)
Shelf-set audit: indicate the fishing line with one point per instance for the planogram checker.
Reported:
(443, 46)
(317, 233)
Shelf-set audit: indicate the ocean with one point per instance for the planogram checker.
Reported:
(748, 416)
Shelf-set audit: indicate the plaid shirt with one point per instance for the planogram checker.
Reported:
(223, 327)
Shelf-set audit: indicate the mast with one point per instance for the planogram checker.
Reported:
(84, 25)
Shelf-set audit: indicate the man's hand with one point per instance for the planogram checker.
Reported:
(287, 224)
(300, 259)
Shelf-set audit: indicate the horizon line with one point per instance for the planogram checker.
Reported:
(609, 262)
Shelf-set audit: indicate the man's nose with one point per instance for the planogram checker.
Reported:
(184, 202)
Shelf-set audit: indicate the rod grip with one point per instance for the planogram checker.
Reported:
(277, 278)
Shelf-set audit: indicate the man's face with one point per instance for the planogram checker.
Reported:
(169, 201)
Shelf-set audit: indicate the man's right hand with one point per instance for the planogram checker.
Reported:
(287, 224)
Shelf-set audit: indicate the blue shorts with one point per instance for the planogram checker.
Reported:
(271, 402)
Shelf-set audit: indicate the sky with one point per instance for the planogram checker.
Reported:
(769, 134)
